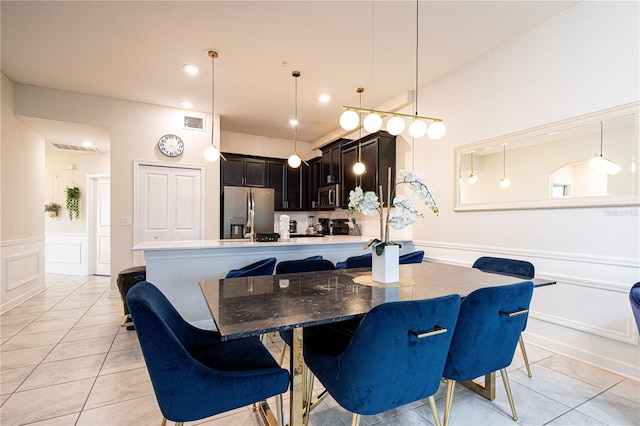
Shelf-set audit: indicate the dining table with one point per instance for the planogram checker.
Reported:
(250, 306)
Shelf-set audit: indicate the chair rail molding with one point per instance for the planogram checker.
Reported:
(586, 315)
(22, 270)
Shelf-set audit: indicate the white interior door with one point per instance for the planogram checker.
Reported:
(169, 203)
(103, 227)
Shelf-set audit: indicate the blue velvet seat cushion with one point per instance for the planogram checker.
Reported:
(262, 267)
(382, 366)
(194, 374)
(485, 339)
(304, 265)
(634, 298)
(413, 257)
(364, 261)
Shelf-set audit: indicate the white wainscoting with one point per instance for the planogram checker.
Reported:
(22, 270)
(586, 315)
(66, 254)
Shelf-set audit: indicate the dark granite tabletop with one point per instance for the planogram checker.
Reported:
(249, 306)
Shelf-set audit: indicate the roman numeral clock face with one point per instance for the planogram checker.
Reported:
(171, 145)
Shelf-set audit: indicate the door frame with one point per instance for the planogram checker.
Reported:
(137, 164)
(91, 219)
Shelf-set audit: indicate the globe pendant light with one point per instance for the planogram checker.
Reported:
(417, 129)
(349, 120)
(359, 167)
(212, 153)
(598, 162)
(472, 178)
(372, 123)
(294, 159)
(504, 182)
(395, 125)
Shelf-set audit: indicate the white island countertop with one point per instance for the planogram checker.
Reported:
(176, 267)
(218, 244)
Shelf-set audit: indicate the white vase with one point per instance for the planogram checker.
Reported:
(386, 266)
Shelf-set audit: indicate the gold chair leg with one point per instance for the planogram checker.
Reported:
(179, 423)
(434, 409)
(355, 419)
(507, 388)
(282, 351)
(279, 410)
(451, 384)
(164, 422)
(524, 355)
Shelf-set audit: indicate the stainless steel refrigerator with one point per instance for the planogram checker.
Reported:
(245, 210)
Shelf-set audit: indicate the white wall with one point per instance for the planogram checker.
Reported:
(583, 60)
(21, 207)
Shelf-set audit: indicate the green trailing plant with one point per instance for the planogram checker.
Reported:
(73, 201)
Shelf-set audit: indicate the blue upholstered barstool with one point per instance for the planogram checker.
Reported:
(515, 268)
(634, 298)
(262, 267)
(194, 374)
(486, 336)
(395, 356)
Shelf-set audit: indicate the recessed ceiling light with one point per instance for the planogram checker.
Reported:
(87, 143)
(293, 122)
(324, 98)
(190, 69)
(186, 104)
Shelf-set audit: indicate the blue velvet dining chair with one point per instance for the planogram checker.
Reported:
(364, 261)
(194, 374)
(515, 268)
(394, 357)
(304, 265)
(262, 267)
(486, 336)
(634, 298)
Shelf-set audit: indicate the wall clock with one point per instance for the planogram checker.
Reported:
(171, 145)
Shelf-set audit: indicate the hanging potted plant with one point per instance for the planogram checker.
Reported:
(73, 201)
(52, 208)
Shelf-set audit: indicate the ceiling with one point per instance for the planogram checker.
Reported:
(135, 50)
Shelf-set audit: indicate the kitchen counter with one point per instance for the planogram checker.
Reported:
(176, 267)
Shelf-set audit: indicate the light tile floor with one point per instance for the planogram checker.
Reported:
(65, 360)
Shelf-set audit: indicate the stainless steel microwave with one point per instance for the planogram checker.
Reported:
(329, 196)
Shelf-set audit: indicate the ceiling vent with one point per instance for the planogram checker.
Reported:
(79, 148)
(194, 123)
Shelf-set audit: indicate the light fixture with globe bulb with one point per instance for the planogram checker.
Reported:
(294, 159)
(601, 163)
(359, 167)
(212, 153)
(504, 182)
(420, 125)
(472, 177)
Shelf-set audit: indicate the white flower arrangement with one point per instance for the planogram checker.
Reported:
(404, 211)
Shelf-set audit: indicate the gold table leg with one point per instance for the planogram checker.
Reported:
(489, 388)
(297, 389)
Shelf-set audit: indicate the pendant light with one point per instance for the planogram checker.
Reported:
(294, 160)
(212, 153)
(359, 167)
(436, 129)
(472, 178)
(504, 182)
(601, 163)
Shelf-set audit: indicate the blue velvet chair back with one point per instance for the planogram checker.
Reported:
(384, 365)
(194, 374)
(414, 257)
(262, 267)
(363, 261)
(486, 336)
(634, 298)
(515, 268)
(304, 265)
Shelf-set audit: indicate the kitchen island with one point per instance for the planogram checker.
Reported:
(176, 267)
